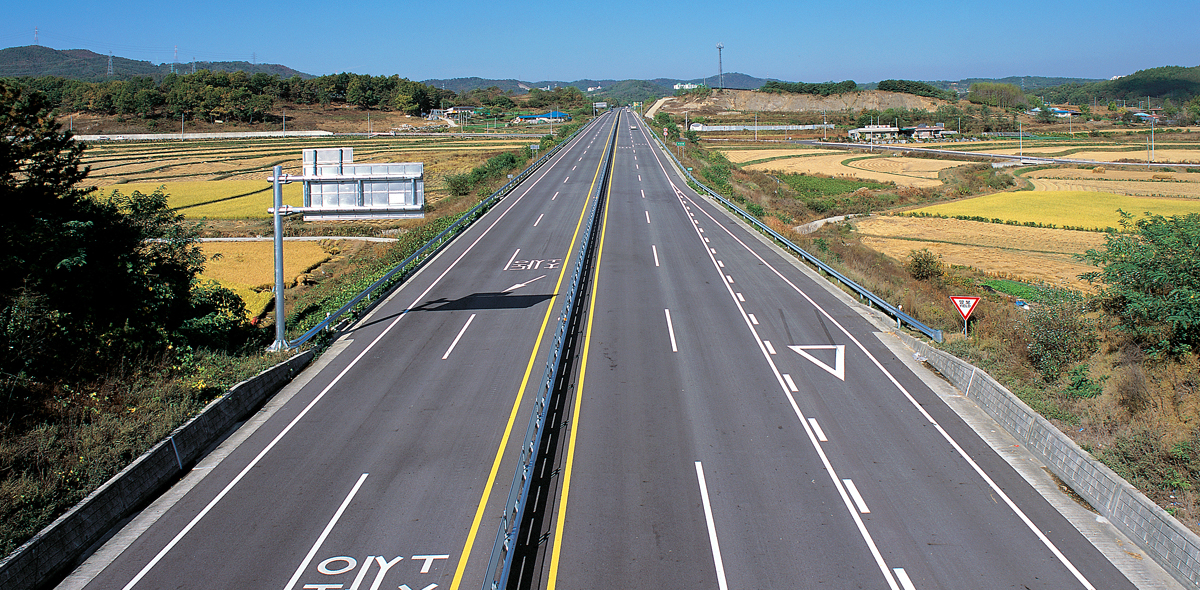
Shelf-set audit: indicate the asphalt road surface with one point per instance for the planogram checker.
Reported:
(731, 424)
(736, 426)
(388, 468)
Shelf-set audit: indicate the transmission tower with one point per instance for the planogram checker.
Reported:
(720, 70)
(35, 39)
(110, 70)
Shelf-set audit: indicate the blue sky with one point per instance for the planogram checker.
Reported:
(861, 40)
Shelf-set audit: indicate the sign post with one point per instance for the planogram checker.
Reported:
(965, 306)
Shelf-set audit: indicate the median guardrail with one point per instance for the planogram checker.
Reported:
(398, 273)
(862, 292)
(500, 563)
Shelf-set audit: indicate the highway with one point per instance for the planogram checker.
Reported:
(383, 470)
(736, 426)
(728, 423)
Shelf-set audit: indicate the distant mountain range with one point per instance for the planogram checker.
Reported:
(81, 64)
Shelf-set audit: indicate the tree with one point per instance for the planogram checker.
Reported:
(86, 282)
(1151, 277)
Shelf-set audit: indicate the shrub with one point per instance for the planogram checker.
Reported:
(1058, 332)
(755, 209)
(924, 265)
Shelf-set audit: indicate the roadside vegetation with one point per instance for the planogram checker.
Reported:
(1110, 356)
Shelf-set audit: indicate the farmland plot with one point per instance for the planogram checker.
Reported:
(1092, 210)
(916, 172)
(1023, 253)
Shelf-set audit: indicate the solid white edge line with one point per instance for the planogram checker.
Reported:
(712, 528)
(253, 462)
(876, 554)
(655, 250)
(325, 533)
(817, 429)
(671, 331)
(991, 483)
(905, 581)
(456, 338)
(858, 499)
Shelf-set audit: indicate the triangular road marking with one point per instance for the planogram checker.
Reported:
(839, 368)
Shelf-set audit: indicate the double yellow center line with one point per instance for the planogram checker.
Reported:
(512, 416)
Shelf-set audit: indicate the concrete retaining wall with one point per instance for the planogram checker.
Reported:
(1168, 542)
(62, 544)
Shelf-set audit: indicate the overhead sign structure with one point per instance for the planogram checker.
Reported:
(965, 306)
(336, 187)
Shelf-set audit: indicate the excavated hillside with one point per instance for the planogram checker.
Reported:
(731, 101)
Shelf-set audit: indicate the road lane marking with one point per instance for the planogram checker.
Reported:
(555, 196)
(647, 217)
(817, 429)
(639, 177)
(316, 546)
(525, 284)
(858, 499)
(337, 379)
(905, 582)
(456, 338)
(770, 349)
(712, 528)
(839, 364)
(566, 179)
(539, 219)
(510, 260)
(729, 278)
(741, 298)
(643, 194)
(671, 331)
(753, 320)
(829, 467)
(791, 385)
(655, 250)
(712, 250)
(720, 264)
(512, 416)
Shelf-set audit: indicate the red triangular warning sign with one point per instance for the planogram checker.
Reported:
(965, 305)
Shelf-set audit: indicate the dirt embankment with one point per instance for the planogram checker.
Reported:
(751, 100)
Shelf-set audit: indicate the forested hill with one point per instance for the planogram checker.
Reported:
(1177, 83)
(80, 64)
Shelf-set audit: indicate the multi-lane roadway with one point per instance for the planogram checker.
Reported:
(729, 424)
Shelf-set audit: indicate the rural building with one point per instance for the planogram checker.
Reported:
(874, 133)
(455, 111)
(552, 116)
(682, 86)
(924, 131)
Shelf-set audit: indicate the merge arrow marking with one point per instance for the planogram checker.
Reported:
(519, 285)
(839, 368)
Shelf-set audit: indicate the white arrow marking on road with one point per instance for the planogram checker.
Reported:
(839, 368)
(429, 587)
(519, 285)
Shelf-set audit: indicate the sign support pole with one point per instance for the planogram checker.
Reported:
(280, 337)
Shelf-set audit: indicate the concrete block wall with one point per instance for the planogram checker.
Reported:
(61, 545)
(1159, 534)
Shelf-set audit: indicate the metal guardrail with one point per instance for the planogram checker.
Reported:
(432, 246)
(890, 309)
(500, 563)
